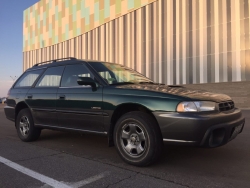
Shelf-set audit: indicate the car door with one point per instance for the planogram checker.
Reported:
(42, 97)
(79, 107)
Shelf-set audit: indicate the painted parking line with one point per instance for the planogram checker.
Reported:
(50, 181)
(33, 174)
(89, 180)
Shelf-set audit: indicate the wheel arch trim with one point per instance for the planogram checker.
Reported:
(21, 103)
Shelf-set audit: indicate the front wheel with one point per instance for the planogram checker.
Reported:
(25, 126)
(138, 138)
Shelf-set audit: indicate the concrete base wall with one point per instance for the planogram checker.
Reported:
(239, 91)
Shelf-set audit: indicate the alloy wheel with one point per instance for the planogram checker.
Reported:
(133, 139)
(24, 126)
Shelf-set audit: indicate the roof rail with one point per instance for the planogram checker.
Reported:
(55, 60)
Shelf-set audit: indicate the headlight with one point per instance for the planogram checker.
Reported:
(196, 106)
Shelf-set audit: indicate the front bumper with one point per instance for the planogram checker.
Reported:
(201, 129)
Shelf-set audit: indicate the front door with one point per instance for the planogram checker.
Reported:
(79, 107)
(42, 97)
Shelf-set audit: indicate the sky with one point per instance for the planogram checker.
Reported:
(11, 41)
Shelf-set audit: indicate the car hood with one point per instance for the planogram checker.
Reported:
(180, 91)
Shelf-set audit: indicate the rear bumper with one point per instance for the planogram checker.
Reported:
(9, 112)
(210, 130)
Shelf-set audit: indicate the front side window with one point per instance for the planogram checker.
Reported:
(51, 77)
(28, 78)
(72, 73)
(115, 73)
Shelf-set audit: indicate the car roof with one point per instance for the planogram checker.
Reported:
(54, 63)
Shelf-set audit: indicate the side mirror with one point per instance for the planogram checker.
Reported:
(86, 81)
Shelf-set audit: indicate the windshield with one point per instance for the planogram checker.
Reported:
(119, 74)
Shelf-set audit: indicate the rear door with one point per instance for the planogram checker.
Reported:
(42, 97)
(79, 107)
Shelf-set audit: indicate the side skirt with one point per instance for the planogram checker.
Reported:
(69, 129)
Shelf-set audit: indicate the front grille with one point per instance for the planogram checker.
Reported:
(228, 105)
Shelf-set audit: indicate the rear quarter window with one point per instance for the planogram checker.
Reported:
(28, 78)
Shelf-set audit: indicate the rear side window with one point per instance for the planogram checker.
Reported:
(51, 77)
(28, 78)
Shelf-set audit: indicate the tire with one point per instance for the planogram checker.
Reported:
(138, 138)
(26, 130)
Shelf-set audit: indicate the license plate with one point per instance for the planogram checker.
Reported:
(237, 130)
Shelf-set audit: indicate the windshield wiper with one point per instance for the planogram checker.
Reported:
(151, 83)
(146, 83)
(121, 83)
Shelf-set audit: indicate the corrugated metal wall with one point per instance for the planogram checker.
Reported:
(170, 41)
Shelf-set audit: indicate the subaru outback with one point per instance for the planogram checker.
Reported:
(136, 114)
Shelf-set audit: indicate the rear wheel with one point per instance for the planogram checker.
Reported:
(25, 126)
(138, 139)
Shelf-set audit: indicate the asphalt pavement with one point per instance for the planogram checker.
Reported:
(67, 159)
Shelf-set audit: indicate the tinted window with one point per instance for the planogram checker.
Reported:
(51, 77)
(28, 78)
(72, 73)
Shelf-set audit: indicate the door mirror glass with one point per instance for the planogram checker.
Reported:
(86, 81)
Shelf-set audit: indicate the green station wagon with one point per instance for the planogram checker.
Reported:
(136, 114)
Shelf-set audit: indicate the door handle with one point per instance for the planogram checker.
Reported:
(61, 96)
(29, 96)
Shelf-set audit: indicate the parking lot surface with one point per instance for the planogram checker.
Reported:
(67, 159)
